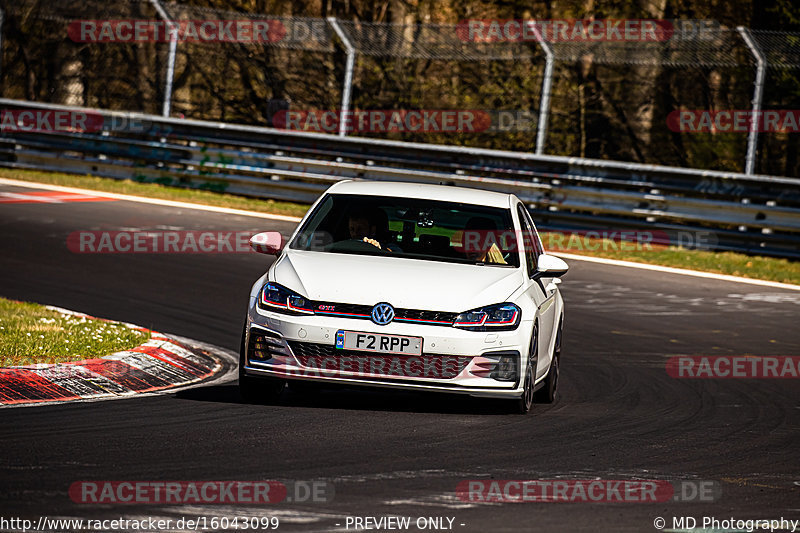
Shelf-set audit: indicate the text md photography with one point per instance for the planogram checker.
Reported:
(402, 266)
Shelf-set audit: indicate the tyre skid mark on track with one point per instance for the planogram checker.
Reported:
(746, 481)
(402, 474)
(608, 298)
(446, 501)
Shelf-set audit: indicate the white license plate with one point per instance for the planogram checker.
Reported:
(378, 342)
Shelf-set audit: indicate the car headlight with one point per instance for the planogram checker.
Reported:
(278, 298)
(498, 317)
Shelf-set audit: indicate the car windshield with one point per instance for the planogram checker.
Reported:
(411, 228)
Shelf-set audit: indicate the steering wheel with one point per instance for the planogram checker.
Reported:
(355, 246)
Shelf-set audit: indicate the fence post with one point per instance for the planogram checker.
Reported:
(348, 75)
(2, 21)
(758, 91)
(544, 99)
(173, 46)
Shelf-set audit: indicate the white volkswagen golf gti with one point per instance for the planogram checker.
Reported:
(408, 286)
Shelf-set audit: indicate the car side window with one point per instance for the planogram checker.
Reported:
(537, 241)
(529, 240)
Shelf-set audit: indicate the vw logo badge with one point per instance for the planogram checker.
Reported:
(382, 314)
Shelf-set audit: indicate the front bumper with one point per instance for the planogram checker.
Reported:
(302, 348)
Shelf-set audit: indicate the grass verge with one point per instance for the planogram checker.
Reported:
(31, 333)
(731, 263)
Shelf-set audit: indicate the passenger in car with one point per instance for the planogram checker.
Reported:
(487, 231)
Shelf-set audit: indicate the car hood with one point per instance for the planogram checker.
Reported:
(404, 283)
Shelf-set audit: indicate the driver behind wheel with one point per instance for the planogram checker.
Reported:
(369, 226)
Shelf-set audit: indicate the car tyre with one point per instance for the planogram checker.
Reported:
(523, 404)
(549, 391)
(257, 389)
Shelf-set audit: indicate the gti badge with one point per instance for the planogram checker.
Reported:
(382, 314)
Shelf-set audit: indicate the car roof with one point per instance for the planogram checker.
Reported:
(425, 191)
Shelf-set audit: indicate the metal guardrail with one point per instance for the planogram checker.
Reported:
(758, 214)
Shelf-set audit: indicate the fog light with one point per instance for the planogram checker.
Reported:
(505, 369)
(503, 366)
(259, 348)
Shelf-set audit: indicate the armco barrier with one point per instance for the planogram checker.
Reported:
(759, 214)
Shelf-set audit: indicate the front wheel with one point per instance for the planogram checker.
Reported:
(257, 389)
(548, 392)
(522, 405)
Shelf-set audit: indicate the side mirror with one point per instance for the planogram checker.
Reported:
(550, 266)
(268, 242)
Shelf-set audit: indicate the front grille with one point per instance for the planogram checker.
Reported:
(445, 318)
(337, 309)
(325, 357)
(415, 316)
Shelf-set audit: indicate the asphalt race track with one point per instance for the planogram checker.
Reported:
(619, 415)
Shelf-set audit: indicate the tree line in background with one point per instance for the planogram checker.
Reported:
(598, 110)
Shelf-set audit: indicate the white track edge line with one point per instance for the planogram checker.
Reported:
(681, 271)
(144, 200)
(242, 212)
